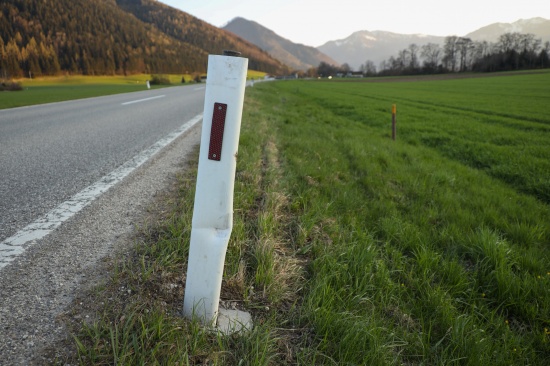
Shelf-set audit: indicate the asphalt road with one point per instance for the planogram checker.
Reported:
(50, 152)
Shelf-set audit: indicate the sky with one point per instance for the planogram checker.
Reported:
(315, 22)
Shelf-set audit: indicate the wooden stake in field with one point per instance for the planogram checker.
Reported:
(393, 129)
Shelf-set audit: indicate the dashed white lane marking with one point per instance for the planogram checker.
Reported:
(143, 100)
(15, 245)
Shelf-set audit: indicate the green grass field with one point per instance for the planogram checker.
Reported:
(61, 88)
(353, 249)
(57, 89)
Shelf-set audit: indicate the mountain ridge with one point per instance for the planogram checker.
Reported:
(383, 44)
(297, 56)
(538, 26)
(364, 45)
(375, 46)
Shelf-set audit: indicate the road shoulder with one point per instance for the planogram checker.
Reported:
(39, 285)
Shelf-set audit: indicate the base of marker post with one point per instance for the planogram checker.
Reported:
(227, 322)
(233, 321)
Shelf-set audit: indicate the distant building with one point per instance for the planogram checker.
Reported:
(355, 74)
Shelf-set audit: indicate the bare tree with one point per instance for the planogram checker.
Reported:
(345, 68)
(450, 50)
(392, 65)
(324, 69)
(464, 46)
(544, 56)
(384, 65)
(403, 59)
(431, 53)
(510, 42)
(481, 49)
(413, 56)
(530, 46)
(529, 43)
(369, 68)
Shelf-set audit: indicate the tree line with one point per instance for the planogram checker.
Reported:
(512, 51)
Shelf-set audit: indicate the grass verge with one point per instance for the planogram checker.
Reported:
(57, 89)
(349, 248)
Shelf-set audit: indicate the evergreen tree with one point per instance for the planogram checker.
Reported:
(13, 58)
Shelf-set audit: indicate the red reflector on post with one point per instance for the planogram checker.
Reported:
(216, 133)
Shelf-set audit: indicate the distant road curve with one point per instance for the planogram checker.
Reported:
(51, 152)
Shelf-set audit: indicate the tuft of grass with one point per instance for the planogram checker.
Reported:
(10, 86)
(159, 80)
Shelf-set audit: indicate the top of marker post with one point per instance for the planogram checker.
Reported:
(226, 72)
(231, 53)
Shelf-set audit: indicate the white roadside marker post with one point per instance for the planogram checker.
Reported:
(213, 210)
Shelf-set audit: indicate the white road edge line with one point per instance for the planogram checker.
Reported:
(13, 246)
(143, 100)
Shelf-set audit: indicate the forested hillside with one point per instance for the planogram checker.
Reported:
(46, 37)
(193, 31)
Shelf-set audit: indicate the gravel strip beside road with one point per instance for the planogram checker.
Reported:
(39, 285)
